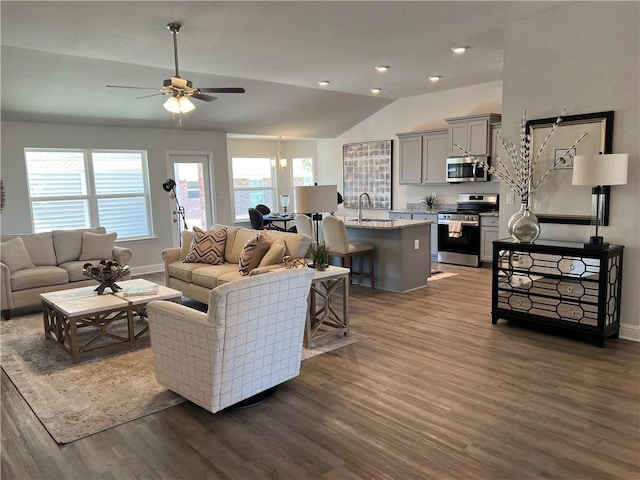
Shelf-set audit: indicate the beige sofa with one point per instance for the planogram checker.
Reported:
(196, 280)
(36, 263)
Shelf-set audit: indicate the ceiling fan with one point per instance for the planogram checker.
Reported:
(179, 89)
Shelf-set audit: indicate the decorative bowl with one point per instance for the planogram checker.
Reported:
(107, 272)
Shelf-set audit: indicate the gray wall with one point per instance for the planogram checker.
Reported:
(16, 136)
(584, 58)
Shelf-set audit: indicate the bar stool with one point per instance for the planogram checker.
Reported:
(335, 236)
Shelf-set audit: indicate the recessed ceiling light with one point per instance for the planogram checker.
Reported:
(375, 91)
(435, 78)
(382, 68)
(459, 50)
(323, 83)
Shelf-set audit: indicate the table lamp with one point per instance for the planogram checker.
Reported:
(600, 171)
(316, 199)
(284, 201)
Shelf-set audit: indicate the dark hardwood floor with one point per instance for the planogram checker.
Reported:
(435, 392)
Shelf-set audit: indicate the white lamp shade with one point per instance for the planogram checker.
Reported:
(595, 170)
(186, 105)
(172, 104)
(316, 198)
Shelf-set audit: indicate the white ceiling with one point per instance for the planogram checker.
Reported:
(57, 58)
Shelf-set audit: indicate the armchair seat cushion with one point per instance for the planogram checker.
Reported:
(36, 277)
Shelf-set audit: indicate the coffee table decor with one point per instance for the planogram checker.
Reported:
(106, 272)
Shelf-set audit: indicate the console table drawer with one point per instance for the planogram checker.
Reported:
(552, 308)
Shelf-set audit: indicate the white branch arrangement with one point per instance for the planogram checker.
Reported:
(520, 176)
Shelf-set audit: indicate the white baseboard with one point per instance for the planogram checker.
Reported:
(145, 269)
(630, 332)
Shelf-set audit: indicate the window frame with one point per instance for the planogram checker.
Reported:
(92, 197)
(272, 188)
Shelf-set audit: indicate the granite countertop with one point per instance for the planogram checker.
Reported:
(384, 223)
(494, 213)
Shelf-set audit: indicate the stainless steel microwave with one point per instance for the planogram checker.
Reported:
(466, 169)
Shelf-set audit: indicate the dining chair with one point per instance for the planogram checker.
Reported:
(335, 236)
(304, 224)
(256, 218)
(264, 210)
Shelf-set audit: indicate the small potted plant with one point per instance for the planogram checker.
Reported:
(430, 201)
(320, 256)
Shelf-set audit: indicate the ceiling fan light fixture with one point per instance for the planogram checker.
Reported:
(172, 105)
(186, 105)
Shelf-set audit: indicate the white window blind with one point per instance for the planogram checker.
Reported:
(84, 188)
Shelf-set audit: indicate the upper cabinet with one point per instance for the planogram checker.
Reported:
(423, 157)
(472, 133)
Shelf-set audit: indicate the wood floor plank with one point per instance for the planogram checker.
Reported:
(435, 392)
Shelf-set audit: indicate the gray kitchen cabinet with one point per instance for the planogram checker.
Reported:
(488, 233)
(472, 133)
(423, 157)
(399, 216)
(434, 229)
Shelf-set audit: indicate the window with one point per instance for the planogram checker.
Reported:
(252, 184)
(302, 171)
(85, 188)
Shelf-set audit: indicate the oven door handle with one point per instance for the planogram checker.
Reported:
(464, 224)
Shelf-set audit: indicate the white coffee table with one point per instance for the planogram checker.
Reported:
(67, 311)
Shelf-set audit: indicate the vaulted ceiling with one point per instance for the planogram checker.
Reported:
(58, 57)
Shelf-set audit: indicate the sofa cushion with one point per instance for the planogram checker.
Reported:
(74, 269)
(243, 235)
(68, 243)
(209, 276)
(298, 245)
(97, 245)
(14, 255)
(207, 247)
(274, 255)
(38, 277)
(183, 271)
(187, 236)
(40, 248)
(253, 252)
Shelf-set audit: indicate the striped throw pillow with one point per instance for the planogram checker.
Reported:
(207, 247)
(252, 253)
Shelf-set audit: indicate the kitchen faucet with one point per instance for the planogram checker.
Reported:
(363, 194)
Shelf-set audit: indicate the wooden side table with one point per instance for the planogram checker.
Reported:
(328, 305)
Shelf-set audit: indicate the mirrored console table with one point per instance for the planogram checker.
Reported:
(558, 284)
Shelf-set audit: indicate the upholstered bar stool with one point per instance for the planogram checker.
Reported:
(335, 236)
(304, 224)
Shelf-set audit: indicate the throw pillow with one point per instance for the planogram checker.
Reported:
(98, 246)
(14, 255)
(207, 247)
(253, 252)
(275, 254)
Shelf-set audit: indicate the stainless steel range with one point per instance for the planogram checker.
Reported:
(459, 230)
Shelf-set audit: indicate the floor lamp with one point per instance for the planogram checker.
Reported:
(170, 186)
(600, 171)
(316, 199)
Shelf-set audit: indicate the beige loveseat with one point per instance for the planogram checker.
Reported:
(196, 280)
(35, 263)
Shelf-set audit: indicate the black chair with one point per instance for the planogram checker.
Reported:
(264, 210)
(257, 221)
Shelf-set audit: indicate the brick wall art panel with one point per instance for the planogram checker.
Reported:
(367, 168)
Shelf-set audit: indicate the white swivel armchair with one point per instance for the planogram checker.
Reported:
(249, 341)
(304, 224)
(335, 236)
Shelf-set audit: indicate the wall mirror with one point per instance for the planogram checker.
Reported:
(557, 200)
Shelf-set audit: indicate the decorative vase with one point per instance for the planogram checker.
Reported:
(523, 225)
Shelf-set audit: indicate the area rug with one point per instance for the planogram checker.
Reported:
(440, 275)
(104, 390)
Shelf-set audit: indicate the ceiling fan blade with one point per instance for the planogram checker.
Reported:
(202, 96)
(222, 90)
(137, 88)
(152, 95)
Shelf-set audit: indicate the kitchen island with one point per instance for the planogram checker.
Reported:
(402, 255)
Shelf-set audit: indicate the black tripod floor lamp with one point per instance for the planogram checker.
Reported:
(170, 186)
